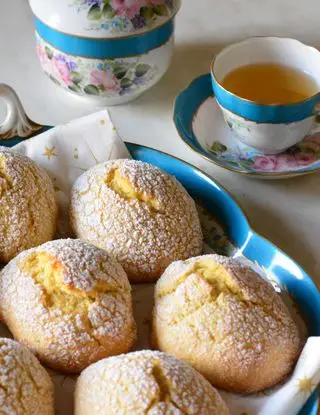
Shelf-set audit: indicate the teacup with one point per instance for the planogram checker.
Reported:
(268, 128)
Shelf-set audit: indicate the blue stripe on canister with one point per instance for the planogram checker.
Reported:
(105, 48)
(274, 114)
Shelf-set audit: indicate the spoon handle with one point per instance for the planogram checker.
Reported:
(16, 123)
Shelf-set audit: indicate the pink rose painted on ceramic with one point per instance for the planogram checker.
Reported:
(61, 71)
(125, 16)
(127, 8)
(285, 161)
(44, 60)
(305, 154)
(282, 162)
(104, 78)
(265, 163)
(304, 159)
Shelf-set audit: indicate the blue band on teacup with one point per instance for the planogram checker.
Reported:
(105, 48)
(275, 114)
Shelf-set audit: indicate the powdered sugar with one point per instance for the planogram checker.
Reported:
(238, 331)
(146, 232)
(25, 386)
(28, 209)
(145, 383)
(69, 340)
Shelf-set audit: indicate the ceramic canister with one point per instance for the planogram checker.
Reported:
(110, 49)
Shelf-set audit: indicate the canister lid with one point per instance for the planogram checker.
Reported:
(104, 18)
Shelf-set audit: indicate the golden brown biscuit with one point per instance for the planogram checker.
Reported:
(69, 302)
(28, 211)
(138, 213)
(142, 383)
(226, 321)
(25, 386)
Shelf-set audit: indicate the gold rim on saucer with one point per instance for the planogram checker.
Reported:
(266, 175)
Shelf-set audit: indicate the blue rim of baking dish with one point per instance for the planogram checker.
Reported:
(237, 226)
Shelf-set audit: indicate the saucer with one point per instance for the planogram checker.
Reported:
(200, 124)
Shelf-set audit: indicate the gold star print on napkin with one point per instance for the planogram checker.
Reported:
(304, 379)
(305, 385)
(69, 150)
(49, 152)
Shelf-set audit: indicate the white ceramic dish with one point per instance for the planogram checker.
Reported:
(231, 236)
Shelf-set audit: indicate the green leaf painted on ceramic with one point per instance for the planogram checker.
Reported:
(74, 88)
(142, 69)
(301, 148)
(108, 12)
(230, 124)
(119, 71)
(76, 77)
(94, 12)
(48, 52)
(218, 147)
(106, 1)
(160, 10)
(246, 163)
(54, 80)
(91, 90)
(125, 83)
(147, 13)
(102, 67)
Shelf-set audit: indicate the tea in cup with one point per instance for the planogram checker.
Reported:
(268, 89)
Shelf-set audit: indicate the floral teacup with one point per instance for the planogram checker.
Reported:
(268, 128)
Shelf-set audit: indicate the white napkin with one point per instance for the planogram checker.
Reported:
(289, 398)
(69, 150)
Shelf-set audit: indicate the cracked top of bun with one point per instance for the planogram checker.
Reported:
(138, 213)
(145, 382)
(28, 210)
(26, 388)
(69, 301)
(227, 321)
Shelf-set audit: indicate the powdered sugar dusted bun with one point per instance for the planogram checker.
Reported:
(145, 382)
(138, 213)
(25, 386)
(69, 302)
(28, 210)
(226, 321)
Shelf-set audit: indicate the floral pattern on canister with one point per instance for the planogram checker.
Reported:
(124, 16)
(106, 78)
(304, 154)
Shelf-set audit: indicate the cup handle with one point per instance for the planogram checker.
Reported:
(16, 122)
